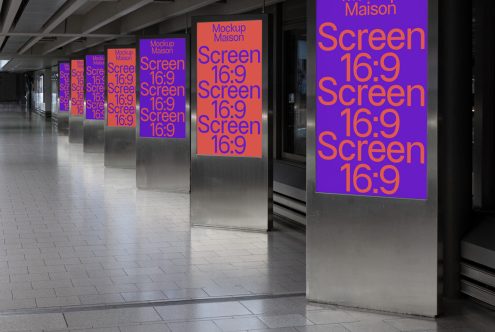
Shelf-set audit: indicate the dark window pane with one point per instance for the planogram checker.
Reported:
(294, 117)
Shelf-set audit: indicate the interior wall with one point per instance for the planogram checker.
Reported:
(8, 87)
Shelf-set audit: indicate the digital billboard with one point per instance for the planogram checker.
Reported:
(121, 87)
(64, 86)
(372, 98)
(162, 87)
(229, 89)
(95, 87)
(77, 87)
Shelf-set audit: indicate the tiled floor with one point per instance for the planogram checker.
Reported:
(290, 314)
(82, 250)
(76, 233)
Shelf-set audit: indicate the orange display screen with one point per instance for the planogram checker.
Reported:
(77, 87)
(230, 88)
(121, 87)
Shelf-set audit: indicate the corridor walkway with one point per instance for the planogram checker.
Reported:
(82, 250)
(76, 233)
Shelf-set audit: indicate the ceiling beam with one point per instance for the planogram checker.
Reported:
(106, 13)
(229, 8)
(104, 16)
(72, 25)
(155, 13)
(97, 34)
(145, 17)
(88, 43)
(11, 8)
(32, 56)
(95, 44)
(107, 32)
(61, 15)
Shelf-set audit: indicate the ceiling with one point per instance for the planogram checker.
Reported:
(36, 34)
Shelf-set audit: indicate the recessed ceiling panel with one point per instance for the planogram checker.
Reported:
(14, 43)
(36, 13)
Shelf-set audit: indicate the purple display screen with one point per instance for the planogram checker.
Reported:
(162, 87)
(95, 87)
(64, 86)
(371, 96)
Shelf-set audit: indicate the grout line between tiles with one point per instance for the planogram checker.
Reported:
(142, 304)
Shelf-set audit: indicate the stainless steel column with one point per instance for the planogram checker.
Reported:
(75, 129)
(63, 122)
(93, 129)
(75, 121)
(164, 163)
(232, 192)
(93, 136)
(63, 97)
(371, 252)
(120, 142)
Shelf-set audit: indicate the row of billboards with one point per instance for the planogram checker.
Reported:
(229, 97)
(371, 102)
(87, 84)
(371, 134)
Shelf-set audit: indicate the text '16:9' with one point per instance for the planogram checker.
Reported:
(162, 82)
(372, 108)
(229, 88)
(121, 87)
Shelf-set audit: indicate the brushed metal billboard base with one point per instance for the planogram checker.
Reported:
(63, 123)
(75, 129)
(163, 164)
(244, 229)
(233, 192)
(120, 147)
(93, 136)
(368, 252)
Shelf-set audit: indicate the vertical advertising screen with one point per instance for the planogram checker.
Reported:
(64, 86)
(162, 87)
(77, 87)
(95, 87)
(229, 88)
(121, 87)
(371, 98)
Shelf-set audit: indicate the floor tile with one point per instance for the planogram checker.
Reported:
(32, 322)
(186, 293)
(369, 326)
(329, 316)
(323, 328)
(155, 327)
(240, 324)
(110, 317)
(201, 310)
(411, 324)
(57, 301)
(144, 296)
(101, 299)
(200, 326)
(290, 320)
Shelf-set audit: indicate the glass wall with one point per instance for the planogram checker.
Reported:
(294, 105)
(38, 90)
(54, 90)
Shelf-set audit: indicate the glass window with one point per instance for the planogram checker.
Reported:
(294, 112)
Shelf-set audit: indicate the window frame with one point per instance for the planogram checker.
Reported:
(287, 156)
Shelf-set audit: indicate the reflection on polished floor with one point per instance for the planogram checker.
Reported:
(77, 233)
(83, 249)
